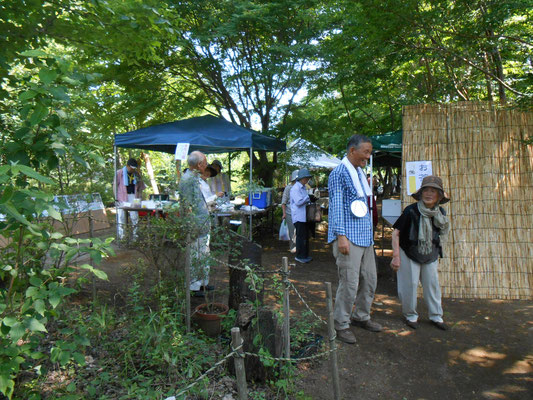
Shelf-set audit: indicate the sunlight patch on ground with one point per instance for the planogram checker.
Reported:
(521, 367)
(303, 284)
(478, 356)
(496, 394)
(388, 301)
(397, 332)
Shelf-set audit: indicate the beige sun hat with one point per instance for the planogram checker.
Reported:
(434, 182)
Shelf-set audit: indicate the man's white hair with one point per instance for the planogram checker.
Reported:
(195, 158)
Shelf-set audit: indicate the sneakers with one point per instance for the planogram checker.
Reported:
(411, 324)
(293, 250)
(345, 335)
(414, 324)
(440, 325)
(303, 260)
(369, 325)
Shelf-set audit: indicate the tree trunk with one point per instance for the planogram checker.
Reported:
(487, 78)
(243, 253)
(150, 171)
(496, 57)
(263, 169)
(60, 177)
(268, 328)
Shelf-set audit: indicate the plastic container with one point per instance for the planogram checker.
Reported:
(260, 199)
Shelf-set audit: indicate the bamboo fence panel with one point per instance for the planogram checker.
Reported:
(478, 151)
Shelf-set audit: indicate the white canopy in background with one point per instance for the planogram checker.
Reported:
(302, 153)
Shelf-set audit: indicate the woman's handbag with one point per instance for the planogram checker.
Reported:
(313, 213)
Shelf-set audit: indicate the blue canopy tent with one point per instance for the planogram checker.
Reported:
(207, 134)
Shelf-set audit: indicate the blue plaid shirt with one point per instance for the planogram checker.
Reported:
(341, 220)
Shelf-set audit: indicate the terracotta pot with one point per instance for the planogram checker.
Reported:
(210, 322)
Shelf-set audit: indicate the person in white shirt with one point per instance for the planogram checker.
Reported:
(286, 207)
(220, 181)
(209, 196)
(299, 199)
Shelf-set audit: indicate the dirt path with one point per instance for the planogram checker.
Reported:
(487, 354)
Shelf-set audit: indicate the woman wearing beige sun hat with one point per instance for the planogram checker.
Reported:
(416, 244)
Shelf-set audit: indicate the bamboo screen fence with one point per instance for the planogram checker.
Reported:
(487, 169)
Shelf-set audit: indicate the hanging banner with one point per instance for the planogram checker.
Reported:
(182, 150)
(415, 172)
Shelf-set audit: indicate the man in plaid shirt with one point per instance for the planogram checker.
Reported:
(350, 232)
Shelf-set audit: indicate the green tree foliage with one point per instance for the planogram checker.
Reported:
(380, 55)
(245, 60)
(34, 135)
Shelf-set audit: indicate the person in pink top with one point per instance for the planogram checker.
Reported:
(128, 186)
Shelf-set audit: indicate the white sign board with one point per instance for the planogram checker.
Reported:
(182, 150)
(415, 172)
(391, 210)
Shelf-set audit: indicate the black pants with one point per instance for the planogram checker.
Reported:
(302, 240)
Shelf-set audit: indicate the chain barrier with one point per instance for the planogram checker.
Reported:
(307, 305)
(285, 280)
(262, 271)
(295, 360)
(234, 352)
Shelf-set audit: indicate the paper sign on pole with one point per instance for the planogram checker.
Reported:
(182, 149)
(416, 171)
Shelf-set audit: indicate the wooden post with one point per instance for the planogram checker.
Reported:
(332, 344)
(188, 282)
(286, 309)
(238, 358)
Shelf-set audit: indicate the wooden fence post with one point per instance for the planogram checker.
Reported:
(332, 344)
(188, 282)
(286, 309)
(238, 358)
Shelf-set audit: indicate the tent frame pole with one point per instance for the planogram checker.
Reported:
(250, 196)
(229, 174)
(115, 151)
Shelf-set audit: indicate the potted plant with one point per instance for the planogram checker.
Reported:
(209, 317)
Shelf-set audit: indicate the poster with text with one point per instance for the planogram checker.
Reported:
(415, 172)
(182, 150)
